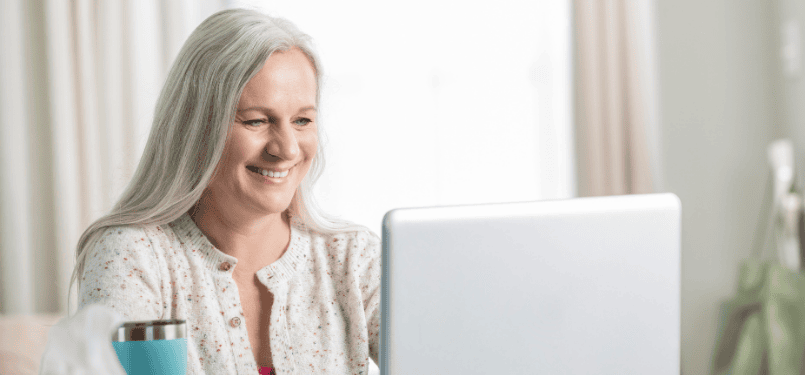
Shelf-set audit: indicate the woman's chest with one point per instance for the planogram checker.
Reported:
(257, 302)
(325, 328)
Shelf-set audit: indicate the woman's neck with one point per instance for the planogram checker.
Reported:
(254, 240)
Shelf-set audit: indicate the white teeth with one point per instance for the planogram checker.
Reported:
(268, 173)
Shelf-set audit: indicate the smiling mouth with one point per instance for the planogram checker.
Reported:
(268, 173)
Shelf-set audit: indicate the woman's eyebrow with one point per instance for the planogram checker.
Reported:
(268, 110)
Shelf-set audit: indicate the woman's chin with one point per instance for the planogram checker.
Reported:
(271, 207)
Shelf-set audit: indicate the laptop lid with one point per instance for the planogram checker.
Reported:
(577, 286)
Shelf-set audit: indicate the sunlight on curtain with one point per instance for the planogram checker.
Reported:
(14, 175)
(439, 103)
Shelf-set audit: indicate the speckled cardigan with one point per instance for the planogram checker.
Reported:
(324, 319)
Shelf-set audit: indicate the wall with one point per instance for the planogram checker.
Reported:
(793, 84)
(720, 106)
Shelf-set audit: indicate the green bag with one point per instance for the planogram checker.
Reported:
(763, 328)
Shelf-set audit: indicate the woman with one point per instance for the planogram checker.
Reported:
(218, 225)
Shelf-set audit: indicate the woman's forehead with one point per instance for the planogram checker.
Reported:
(292, 63)
(285, 77)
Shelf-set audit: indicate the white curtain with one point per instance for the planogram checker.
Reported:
(78, 83)
(616, 127)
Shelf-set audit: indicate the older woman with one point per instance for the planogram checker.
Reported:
(218, 225)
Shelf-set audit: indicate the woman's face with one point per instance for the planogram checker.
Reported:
(273, 139)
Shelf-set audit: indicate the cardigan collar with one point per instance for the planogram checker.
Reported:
(277, 273)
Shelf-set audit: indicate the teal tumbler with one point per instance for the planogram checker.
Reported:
(153, 347)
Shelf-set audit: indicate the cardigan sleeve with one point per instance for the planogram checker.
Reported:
(370, 286)
(122, 271)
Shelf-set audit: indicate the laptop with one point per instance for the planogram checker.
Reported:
(577, 286)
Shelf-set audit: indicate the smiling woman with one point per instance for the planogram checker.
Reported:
(218, 226)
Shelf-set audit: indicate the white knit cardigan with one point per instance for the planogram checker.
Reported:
(326, 312)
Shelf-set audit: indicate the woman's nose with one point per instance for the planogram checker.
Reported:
(283, 143)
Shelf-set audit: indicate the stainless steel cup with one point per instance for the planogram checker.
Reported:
(152, 347)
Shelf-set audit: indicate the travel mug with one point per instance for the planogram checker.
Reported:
(152, 347)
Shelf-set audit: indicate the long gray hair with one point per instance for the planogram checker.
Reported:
(192, 120)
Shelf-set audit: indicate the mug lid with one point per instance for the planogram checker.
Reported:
(148, 330)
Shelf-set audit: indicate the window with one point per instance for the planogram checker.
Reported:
(439, 102)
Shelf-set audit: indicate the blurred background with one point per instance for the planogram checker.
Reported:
(424, 103)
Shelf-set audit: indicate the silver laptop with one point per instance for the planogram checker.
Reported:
(578, 286)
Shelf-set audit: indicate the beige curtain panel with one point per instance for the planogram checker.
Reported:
(611, 105)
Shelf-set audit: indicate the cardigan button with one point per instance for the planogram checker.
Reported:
(225, 266)
(234, 322)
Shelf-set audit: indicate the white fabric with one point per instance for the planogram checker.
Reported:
(15, 189)
(82, 344)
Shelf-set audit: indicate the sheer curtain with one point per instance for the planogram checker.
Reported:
(617, 121)
(78, 85)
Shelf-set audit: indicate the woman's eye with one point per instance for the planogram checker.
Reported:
(254, 122)
(303, 121)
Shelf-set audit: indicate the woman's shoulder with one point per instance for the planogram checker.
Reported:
(118, 245)
(362, 235)
(130, 234)
(354, 252)
(353, 237)
(346, 239)
(150, 237)
(122, 270)
(136, 235)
